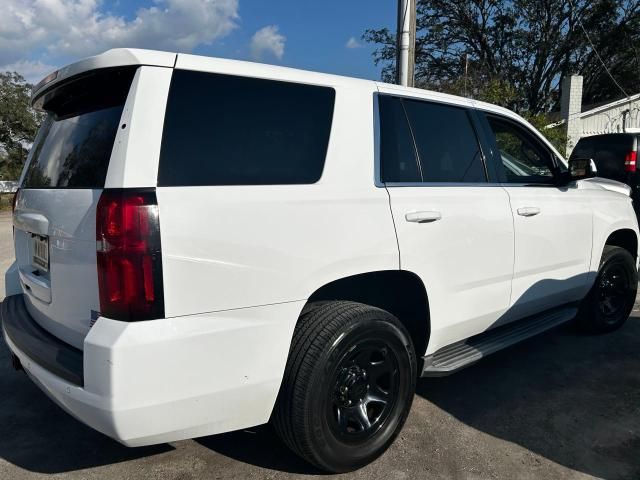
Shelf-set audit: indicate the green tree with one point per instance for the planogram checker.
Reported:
(515, 53)
(18, 124)
(557, 136)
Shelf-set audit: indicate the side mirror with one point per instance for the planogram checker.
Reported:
(579, 169)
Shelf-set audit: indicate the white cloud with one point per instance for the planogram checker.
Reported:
(268, 41)
(32, 71)
(353, 43)
(76, 28)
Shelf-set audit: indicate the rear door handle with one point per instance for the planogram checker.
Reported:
(528, 211)
(423, 217)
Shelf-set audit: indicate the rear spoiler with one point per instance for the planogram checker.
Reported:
(118, 57)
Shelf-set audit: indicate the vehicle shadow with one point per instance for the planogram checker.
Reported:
(40, 437)
(569, 397)
(261, 447)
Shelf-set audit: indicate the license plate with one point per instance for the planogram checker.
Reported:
(40, 252)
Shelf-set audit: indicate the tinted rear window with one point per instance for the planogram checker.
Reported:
(397, 152)
(446, 141)
(73, 147)
(227, 130)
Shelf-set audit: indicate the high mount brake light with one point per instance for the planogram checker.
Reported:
(129, 255)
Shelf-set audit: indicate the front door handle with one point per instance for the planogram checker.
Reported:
(423, 217)
(528, 211)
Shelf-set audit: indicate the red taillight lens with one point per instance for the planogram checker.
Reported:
(630, 161)
(129, 255)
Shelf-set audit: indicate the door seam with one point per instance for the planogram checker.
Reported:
(513, 266)
(395, 229)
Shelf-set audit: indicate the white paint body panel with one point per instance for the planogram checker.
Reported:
(611, 212)
(612, 185)
(553, 247)
(61, 300)
(247, 250)
(165, 380)
(136, 150)
(465, 259)
(240, 262)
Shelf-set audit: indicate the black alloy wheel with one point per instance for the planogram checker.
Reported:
(348, 385)
(613, 287)
(611, 299)
(366, 383)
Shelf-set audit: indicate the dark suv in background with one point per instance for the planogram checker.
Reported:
(615, 155)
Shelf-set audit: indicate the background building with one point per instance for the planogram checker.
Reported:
(619, 116)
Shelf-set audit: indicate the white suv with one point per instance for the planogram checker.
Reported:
(204, 245)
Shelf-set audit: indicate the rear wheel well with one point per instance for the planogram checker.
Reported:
(399, 292)
(625, 238)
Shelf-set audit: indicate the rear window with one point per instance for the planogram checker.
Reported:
(608, 151)
(228, 130)
(397, 152)
(423, 141)
(74, 143)
(446, 142)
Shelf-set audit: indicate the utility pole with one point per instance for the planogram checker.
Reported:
(466, 73)
(406, 43)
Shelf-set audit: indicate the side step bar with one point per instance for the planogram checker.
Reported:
(458, 355)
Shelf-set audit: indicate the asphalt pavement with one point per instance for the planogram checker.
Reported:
(562, 405)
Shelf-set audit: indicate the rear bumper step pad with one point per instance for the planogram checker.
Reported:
(47, 351)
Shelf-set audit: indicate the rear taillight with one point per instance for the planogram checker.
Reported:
(129, 255)
(630, 161)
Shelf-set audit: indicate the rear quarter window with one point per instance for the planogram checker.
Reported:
(446, 142)
(229, 130)
(399, 163)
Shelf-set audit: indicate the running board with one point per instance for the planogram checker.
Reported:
(456, 356)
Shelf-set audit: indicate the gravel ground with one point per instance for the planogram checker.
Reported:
(562, 405)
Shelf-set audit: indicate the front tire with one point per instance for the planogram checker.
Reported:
(348, 385)
(611, 299)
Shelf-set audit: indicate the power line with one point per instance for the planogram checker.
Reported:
(595, 50)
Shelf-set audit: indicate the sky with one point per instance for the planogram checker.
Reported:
(39, 36)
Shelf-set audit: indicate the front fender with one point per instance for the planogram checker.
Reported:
(612, 214)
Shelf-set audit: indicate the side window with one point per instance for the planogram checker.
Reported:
(524, 159)
(228, 130)
(397, 153)
(447, 145)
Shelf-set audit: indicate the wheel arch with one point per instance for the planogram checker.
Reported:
(400, 292)
(625, 238)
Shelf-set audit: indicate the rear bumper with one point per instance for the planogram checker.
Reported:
(166, 380)
(52, 354)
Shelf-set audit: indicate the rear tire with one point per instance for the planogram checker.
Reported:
(611, 299)
(348, 385)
